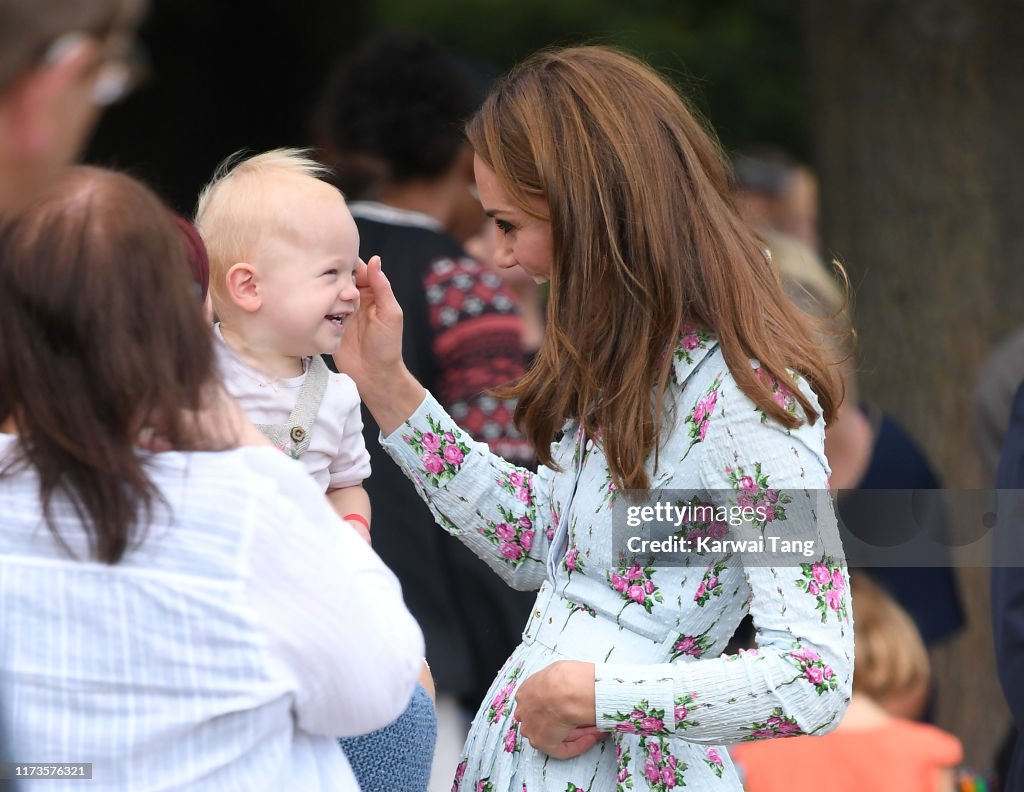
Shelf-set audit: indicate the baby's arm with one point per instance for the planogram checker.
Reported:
(353, 505)
(349, 501)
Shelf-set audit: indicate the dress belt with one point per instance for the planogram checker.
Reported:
(563, 627)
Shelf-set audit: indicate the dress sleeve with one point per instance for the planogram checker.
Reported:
(498, 510)
(332, 611)
(798, 679)
(478, 345)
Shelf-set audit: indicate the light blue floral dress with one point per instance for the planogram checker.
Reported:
(665, 692)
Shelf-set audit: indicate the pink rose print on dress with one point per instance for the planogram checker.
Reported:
(714, 761)
(703, 524)
(501, 700)
(814, 670)
(453, 455)
(549, 531)
(440, 452)
(635, 584)
(690, 646)
(777, 725)
(511, 744)
(432, 463)
(698, 420)
(683, 706)
(571, 562)
(661, 768)
(608, 493)
(691, 339)
(460, 771)
(710, 585)
(781, 395)
(819, 580)
(623, 779)
(643, 720)
(515, 533)
(754, 493)
(518, 484)
(513, 536)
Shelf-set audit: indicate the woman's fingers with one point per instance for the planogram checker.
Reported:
(563, 743)
(567, 749)
(552, 713)
(383, 297)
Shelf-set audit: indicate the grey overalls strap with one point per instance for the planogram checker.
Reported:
(293, 437)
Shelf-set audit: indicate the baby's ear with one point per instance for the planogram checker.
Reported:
(242, 287)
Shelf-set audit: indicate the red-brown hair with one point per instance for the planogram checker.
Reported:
(101, 336)
(645, 240)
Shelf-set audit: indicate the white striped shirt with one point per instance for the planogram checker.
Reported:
(249, 629)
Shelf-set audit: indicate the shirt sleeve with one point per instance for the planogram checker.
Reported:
(798, 679)
(498, 510)
(478, 346)
(333, 612)
(351, 466)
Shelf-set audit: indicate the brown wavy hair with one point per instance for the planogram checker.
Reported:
(645, 240)
(101, 337)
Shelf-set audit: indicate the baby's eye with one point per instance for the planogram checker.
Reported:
(505, 226)
(331, 272)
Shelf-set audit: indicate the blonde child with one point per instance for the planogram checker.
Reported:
(875, 746)
(283, 248)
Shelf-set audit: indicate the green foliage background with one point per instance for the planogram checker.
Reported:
(740, 62)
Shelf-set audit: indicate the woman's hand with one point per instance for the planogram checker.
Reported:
(218, 424)
(371, 351)
(555, 709)
(371, 345)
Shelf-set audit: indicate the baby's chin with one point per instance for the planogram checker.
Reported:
(322, 347)
(329, 349)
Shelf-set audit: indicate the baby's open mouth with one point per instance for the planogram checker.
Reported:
(338, 319)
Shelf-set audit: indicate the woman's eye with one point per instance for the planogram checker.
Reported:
(505, 226)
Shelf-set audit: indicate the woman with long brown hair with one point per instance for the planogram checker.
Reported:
(673, 369)
(180, 609)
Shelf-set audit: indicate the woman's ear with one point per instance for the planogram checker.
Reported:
(242, 284)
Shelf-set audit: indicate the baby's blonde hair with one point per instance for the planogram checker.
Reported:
(232, 212)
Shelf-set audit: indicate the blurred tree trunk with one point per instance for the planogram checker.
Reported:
(920, 150)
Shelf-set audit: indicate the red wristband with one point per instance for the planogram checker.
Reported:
(359, 519)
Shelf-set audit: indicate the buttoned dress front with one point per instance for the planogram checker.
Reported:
(668, 696)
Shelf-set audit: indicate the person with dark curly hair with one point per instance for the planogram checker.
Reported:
(390, 126)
